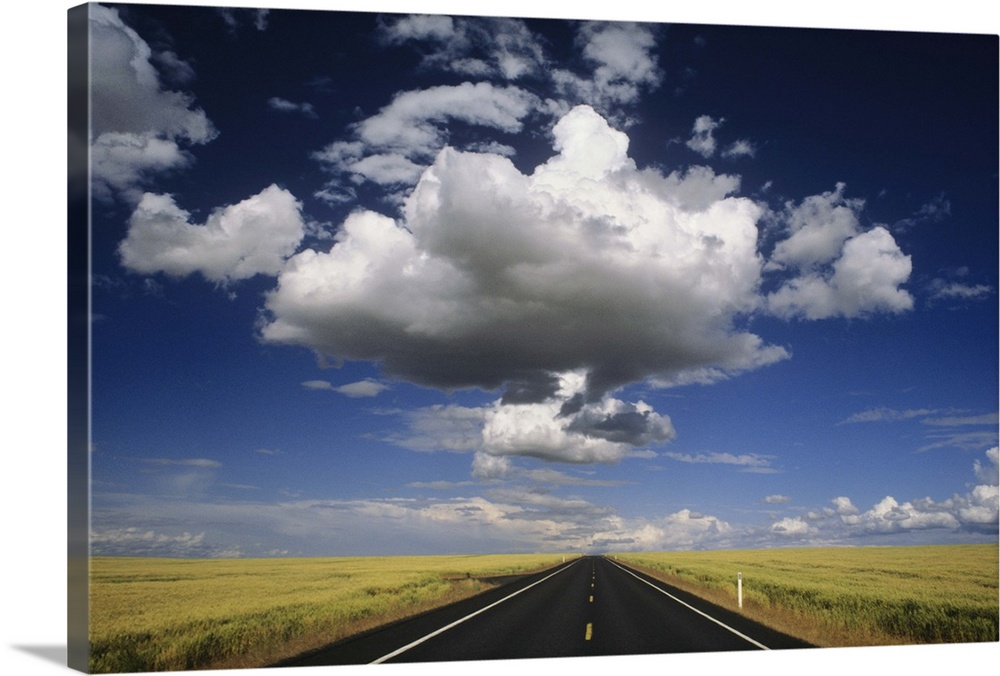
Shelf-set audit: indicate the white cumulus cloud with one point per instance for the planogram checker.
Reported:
(564, 428)
(622, 61)
(818, 228)
(980, 506)
(138, 128)
(865, 279)
(495, 277)
(839, 269)
(740, 148)
(236, 242)
(702, 139)
(972, 514)
(792, 527)
(988, 473)
(548, 420)
(844, 506)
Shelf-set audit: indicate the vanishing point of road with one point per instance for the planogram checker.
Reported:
(589, 606)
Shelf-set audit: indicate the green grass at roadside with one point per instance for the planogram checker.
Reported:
(178, 614)
(849, 596)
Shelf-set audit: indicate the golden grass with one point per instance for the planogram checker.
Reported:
(849, 596)
(178, 614)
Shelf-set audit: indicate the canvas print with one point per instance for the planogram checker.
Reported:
(432, 338)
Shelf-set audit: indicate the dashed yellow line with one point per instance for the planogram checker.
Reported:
(590, 625)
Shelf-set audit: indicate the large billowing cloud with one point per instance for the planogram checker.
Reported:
(139, 128)
(237, 242)
(498, 278)
(588, 270)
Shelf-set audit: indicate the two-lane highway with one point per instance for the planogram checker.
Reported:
(590, 606)
(637, 615)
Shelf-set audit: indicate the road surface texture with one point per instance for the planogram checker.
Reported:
(589, 606)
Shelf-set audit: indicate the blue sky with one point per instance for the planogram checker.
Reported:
(406, 283)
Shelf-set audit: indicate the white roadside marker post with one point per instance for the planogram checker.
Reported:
(739, 589)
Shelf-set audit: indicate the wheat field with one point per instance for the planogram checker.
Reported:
(849, 596)
(179, 614)
(174, 614)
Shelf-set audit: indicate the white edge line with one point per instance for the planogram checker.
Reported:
(431, 635)
(705, 615)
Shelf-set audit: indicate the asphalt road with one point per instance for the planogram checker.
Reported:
(590, 606)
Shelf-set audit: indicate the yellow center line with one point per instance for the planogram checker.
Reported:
(590, 630)
(591, 598)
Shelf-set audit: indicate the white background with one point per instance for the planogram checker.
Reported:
(33, 477)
